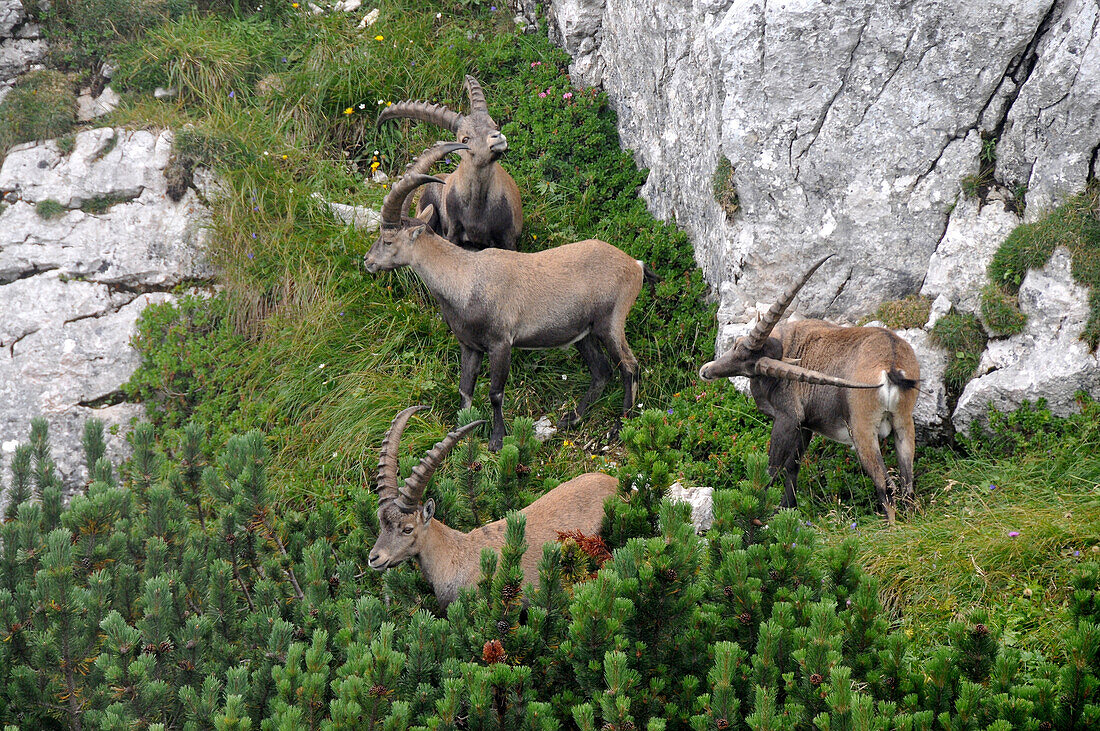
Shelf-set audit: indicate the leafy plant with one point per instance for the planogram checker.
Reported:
(961, 335)
(48, 209)
(1001, 311)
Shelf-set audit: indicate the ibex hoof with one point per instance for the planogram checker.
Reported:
(495, 443)
(569, 421)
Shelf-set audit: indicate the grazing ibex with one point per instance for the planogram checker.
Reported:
(494, 300)
(477, 205)
(449, 558)
(851, 384)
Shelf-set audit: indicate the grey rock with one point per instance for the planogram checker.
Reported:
(931, 415)
(849, 126)
(701, 500)
(72, 287)
(544, 429)
(360, 217)
(12, 16)
(940, 307)
(20, 55)
(1047, 360)
(957, 268)
(161, 93)
(89, 107)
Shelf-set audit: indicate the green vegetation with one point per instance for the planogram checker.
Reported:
(40, 105)
(234, 593)
(961, 335)
(66, 144)
(1001, 312)
(171, 593)
(49, 209)
(903, 314)
(724, 188)
(1075, 225)
(102, 203)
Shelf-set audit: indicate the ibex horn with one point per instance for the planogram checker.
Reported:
(436, 114)
(393, 206)
(477, 96)
(388, 461)
(410, 493)
(767, 323)
(779, 369)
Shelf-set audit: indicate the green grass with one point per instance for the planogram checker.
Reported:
(1075, 225)
(1034, 475)
(1001, 311)
(961, 335)
(724, 188)
(903, 314)
(40, 105)
(49, 209)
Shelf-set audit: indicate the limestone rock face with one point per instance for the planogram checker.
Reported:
(72, 285)
(1047, 360)
(21, 42)
(850, 127)
(701, 500)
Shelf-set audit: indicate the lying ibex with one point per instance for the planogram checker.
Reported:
(813, 376)
(477, 205)
(450, 559)
(493, 300)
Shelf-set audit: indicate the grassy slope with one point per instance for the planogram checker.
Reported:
(321, 356)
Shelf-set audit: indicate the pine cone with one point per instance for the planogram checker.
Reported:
(773, 575)
(980, 630)
(474, 466)
(379, 691)
(493, 652)
(1046, 726)
(333, 584)
(509, 591)
(166, 647)
(668, 575)
(816, 679)
(522, 469)
(746, 618)
(149, 649)
(722, 724)
(503, 627)
(299, 633)
(728, 591)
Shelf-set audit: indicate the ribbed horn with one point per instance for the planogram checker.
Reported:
(767, 323)
(393, 206)
(779, 369)
(436, 114)
(409, 494)
(477, 96)
(388, 461)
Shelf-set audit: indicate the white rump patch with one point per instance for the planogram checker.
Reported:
(889, 394)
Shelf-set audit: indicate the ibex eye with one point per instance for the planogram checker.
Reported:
(408, 530)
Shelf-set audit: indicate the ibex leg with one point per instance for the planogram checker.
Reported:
(500, 360)
(788, 444)
(589, 348)
(469, 365)
(865, 439)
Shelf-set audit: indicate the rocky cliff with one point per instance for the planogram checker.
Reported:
(907, 136)
(88, 239)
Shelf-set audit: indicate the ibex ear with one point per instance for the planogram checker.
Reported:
(426, 215)
(427, 510)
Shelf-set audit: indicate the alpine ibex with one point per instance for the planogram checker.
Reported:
(851, 384)
(477, 205)
(449, 558)
(494, 300)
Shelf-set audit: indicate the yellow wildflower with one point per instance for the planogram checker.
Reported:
(379, 38)
(349, 110)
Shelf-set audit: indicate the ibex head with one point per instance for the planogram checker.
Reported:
(403, 515)
(477, 129)
(758, 354)
(393, 249)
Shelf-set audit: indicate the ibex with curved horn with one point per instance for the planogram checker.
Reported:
(449, 558)
(851, 384)
(493, 300)
(477, 205)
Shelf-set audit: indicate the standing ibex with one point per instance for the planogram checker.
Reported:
(478, 204)
(494, 300)
(450, 559)
(813, 376)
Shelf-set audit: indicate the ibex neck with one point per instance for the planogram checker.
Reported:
(442, 265)
(446, 561)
